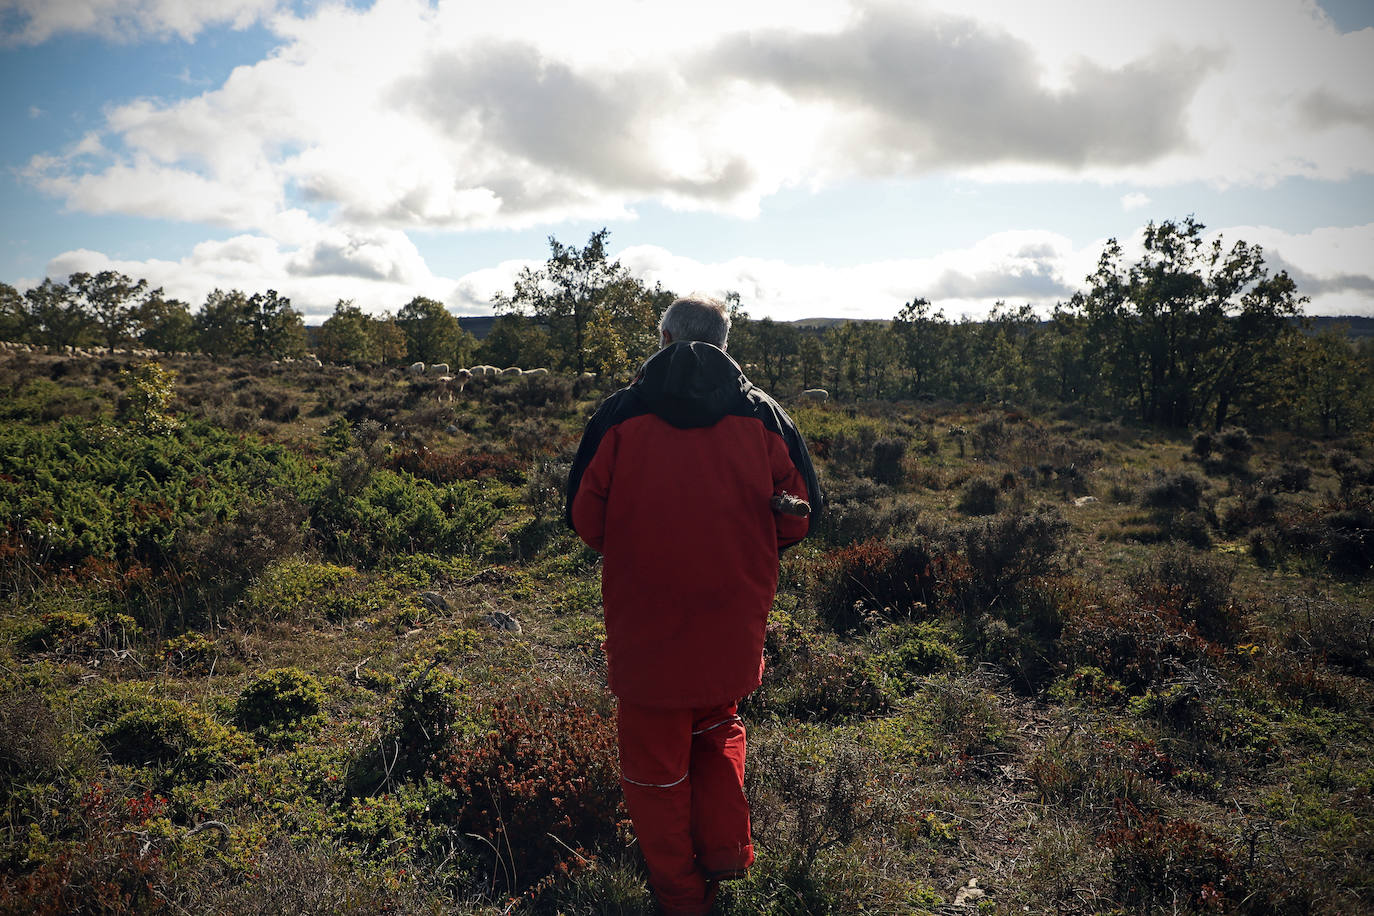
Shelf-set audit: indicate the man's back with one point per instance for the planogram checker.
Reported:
(673, 484)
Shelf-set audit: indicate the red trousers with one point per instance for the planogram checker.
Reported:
(683, 775)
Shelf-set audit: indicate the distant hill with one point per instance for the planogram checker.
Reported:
(478, 326)
(1356, 325)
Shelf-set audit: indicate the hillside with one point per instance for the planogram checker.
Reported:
(280, 638)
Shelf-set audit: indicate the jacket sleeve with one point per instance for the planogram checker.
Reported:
(589, 479)
(787, 479)
(805, 481)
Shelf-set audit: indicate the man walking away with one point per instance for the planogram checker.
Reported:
(675, 483)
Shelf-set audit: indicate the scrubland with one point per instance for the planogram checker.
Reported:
(258, 657)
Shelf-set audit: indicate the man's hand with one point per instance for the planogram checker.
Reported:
(785, 503)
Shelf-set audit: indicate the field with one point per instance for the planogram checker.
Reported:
(279, 638)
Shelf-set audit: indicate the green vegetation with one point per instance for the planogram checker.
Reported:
(260, 652)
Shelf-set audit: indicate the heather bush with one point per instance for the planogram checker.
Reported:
(1195, 587)
(812, 677)
(1157, 861)
(540, 789)
(1004, 552)
(91, 859)
(887, 460)
(1178, 491)
(874, 579)
(979, 496)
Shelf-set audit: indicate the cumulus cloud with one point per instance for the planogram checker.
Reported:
(380, 271)
(35, 21)
(406, 114)
(1134, 201)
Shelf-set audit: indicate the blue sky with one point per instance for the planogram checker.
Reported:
(836, 161)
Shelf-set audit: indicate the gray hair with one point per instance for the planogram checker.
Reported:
(697, 318)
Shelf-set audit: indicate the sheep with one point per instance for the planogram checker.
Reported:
(816, 394)
(416, 369)
(489, 371)
(439, 368)
(512, 370)
(539, 371)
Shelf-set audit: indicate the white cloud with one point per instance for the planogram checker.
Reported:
(35, 21)
(448, 116)
(1134, 201)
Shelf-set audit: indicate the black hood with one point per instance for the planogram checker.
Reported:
(692, 384)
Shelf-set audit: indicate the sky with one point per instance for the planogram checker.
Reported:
(836, 158)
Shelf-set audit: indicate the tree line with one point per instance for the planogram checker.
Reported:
(1191, 334)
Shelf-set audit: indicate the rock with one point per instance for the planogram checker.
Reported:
(969, 894)
(451, 429)
(434, 601)
(502, 621)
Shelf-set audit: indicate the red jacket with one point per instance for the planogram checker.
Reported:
(672, 484)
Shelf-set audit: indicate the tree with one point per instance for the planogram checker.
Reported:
(14, 317)
(165, 324)
(276, 329)
(514, 340)
(222, 326)
(1330, 389)
(388, 340)
(1182, 334)
(110, 298)
(921, 339)
(769, 344)
(57, 318)
(264, 324)
(344, 336)
(580, 289)
(433, 334)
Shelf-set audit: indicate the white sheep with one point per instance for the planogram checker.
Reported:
(512, 370)
(816, 394)
(416, 369)
(439, 368)
(540, 371)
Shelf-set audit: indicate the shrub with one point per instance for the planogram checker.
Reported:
(1173, 491)
(804, 803)
(1132, 641)
(1156, 859)
(190, 654)
(106, 869)
(887, 460)
(30, 738)
(541, 787)
(1006, 551)
(279, 698)
(1193, 586)
(906, 653)
(808, 676)
(181, 739)
(894, 580)
(979, 496)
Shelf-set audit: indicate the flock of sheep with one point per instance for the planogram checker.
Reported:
(440, 371)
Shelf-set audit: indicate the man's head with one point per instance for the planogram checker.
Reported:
(695, 318)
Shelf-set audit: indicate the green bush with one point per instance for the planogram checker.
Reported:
(279, 698)
(182, 740)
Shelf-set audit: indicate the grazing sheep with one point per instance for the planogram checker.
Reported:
(816, 394)
(539, 371)
(439, 368)
(416, 369)
(512, 370)
(489, 371)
